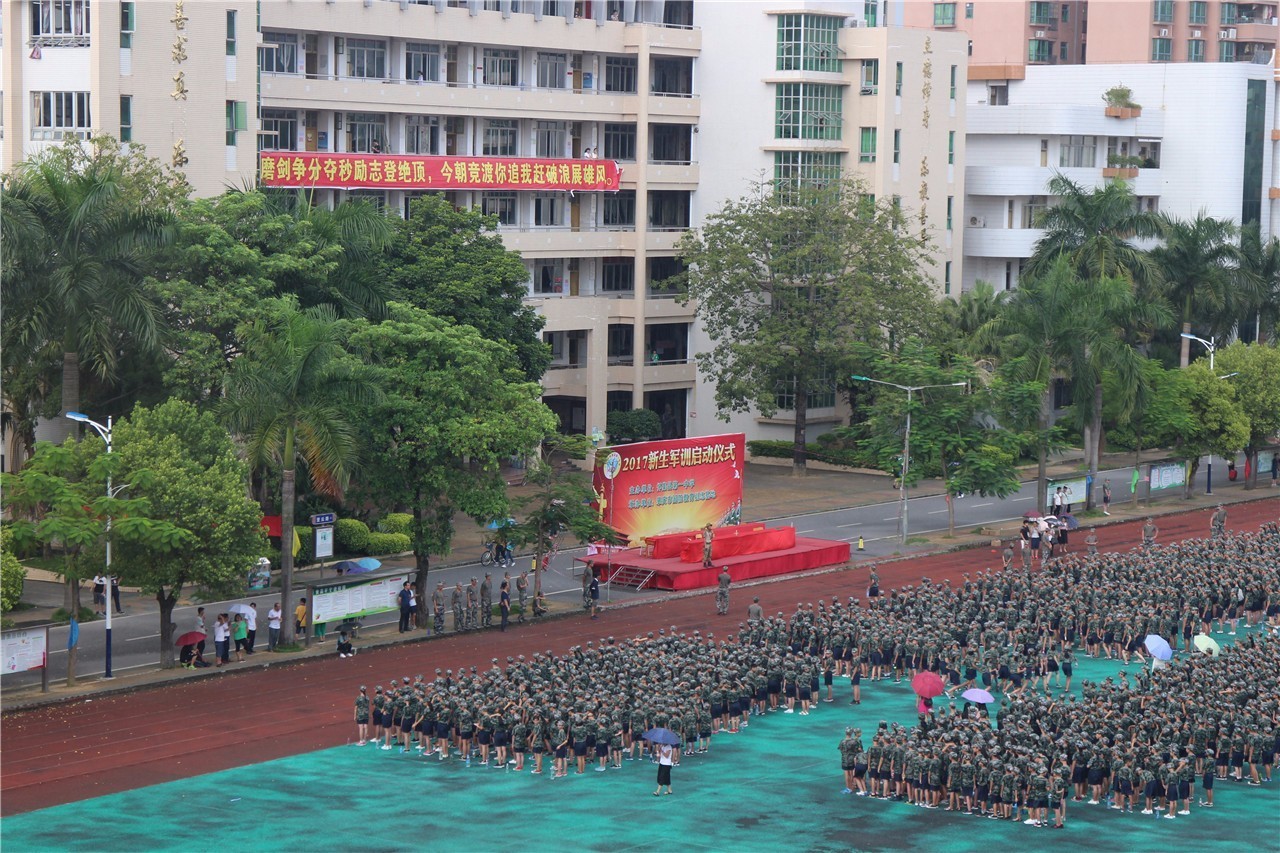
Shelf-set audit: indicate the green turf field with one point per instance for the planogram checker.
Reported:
(774, 786)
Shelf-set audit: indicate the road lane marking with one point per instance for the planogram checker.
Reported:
(855, 524)
(936, 511)
(975, 506)
(135, 639)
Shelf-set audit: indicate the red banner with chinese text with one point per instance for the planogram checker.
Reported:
(672, 485)
(413, 172)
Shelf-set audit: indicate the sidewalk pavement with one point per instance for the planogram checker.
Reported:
(769, 491)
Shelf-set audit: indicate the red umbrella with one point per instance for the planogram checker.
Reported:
(927, 684)
(1031, 513)
(190, 638)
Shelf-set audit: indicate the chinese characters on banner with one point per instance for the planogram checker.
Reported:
(671, 486)
(413, 172)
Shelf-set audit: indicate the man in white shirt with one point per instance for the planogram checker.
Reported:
(273, 627)
(252, 618)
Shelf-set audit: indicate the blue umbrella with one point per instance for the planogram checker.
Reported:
(369, 564)
(495, 524)
(662, 736)
(1158, 646)
(349, 567)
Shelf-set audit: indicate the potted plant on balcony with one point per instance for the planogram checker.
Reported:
(1120, 104)
(1122, 166)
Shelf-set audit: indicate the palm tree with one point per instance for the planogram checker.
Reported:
(1093, 228)
(973, 310)
(76, 241)
(289, 398)
(1196, 259)
(1259, 268)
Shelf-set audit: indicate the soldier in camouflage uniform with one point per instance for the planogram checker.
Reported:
(1218, 524)
(847, 760)
(437, 607)
(722, 591)
(473, 606)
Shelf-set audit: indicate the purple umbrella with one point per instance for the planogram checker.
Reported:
(977, 694)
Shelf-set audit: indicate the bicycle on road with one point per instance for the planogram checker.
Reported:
(496, 554)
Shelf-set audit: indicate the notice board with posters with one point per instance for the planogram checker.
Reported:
(350, 599)
(680, 484)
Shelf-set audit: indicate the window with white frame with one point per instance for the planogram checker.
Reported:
(126, 118)
(808, 111)
(278, 53)
(822, 392)
(548, 210)
(617, 275)
(422, 63)
(421, 135)
(60, 23)
(280, 130)
(870, 76)
(500, 67)
(550, 138)
(499, 138)
(1079, 152)
(501, 205)
(60, 115)
(552, 69)
(367, 59)
(366, 133)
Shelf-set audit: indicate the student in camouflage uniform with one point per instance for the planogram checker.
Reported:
(1218, 524)
(1149, 533)
(722, 591)
(437, 607)
(486, 602)
(522, 592)
(362, 716)
(456, 601)
(473, 606)
(847, 755)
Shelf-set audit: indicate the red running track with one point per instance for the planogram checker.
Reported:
(86, 748)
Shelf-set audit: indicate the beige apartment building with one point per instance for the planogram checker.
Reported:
(176, 76)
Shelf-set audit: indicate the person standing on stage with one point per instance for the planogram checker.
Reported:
(707, 536)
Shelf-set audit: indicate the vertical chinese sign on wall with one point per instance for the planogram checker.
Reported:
(179, 93)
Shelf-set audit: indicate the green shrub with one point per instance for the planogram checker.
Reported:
(307, 546)
(12, 574)
(388, 543)
(771, 449)
(62, 618)
(351, 535)
(397, 522)
(633, 425)
(831, 451)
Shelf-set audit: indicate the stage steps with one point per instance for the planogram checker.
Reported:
(632, 576)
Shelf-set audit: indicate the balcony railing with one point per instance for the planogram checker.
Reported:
(59, 41)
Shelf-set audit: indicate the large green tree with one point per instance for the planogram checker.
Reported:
(455, 405)
(59, 502)
(1260, 268)
(451, 262)
(1198, 261)
(81, 225)
(1216, 422)
(291, 398)
(786, 280)
(1257, 385)
(196, 481)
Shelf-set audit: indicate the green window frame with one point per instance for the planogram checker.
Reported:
(1039, 50)
(813, 169)
(1041, 13)
(954, 73)
(944, 14)
(1066, 14)
(126, 118)
(951, 147)
(237, 119)
(1229, 13)
(897, 146)
(871, 12)
(1195, 50)
(231, 32)
(1226, 51)
(1198, 13)
(946, 278)
(1162, 11)
(808, 42)
(808, 111)
(1161, 50)
(951, 203)
(968, 11)
(869, 136)
(897, 80)
(128, 21)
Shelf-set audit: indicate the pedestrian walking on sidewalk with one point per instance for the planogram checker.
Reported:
(273, 626)
(1106, 497)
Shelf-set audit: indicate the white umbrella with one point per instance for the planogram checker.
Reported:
(240, 608)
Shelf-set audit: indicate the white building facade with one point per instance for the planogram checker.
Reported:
(1203, 141)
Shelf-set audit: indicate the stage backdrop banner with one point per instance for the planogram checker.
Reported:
(415, 172)
(670, 486)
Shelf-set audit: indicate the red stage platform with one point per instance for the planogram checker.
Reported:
(629, 567)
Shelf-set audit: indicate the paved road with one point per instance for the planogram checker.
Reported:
(136, 638)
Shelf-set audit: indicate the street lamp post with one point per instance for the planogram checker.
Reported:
(1212, 348)
(105, 432)
(906, 445)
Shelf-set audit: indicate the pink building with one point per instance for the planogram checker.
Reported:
(1007, 35)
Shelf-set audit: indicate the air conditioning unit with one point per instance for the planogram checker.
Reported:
(866, 90)
(977, 222)
(1233, 32)
(1164, 34)
(1224, 34)
(1195, 34)
(1039, 34)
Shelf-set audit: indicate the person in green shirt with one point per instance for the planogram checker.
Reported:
(240, 633)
